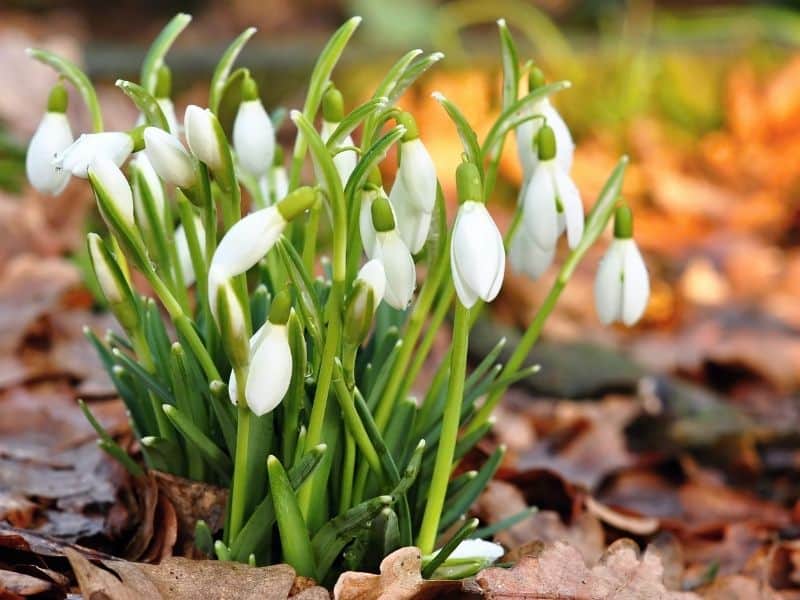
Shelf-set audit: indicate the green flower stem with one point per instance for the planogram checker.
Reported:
(348, 470)
(159, 48)
(355, 428)
(310, 238)
(447, 442)
(142, 351)
(239, 491)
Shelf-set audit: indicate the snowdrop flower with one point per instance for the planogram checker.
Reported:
(366, 229)
(368, 291)
(622, 286)
(112, 283)
(527, 132)
(168, 110)
(106, 175)
(270, 370)
(249, 240)
(253, 134)
(476, 550)
(169, 158)
(527, 257)
(182, 249)
(201, 127)
(550, 196)
(332, 114)
(52, 136)
(115, 146)
(413, 194)
(148, 177)
(391, 251)
(477, 256)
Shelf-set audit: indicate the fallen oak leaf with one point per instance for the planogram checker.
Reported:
(400, 579)
(558, 571)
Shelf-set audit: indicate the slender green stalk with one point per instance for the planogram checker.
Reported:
(239, 488)
(426, 538)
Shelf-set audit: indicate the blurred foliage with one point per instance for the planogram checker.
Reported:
(12, 163)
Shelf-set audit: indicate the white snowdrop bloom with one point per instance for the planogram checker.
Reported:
(109, 284)
(344, 161)
(550, 193)
(622, 285)
(392, 252)
(414, 224)
(270, 371)
(182, 249)
(201, 135)
(115, 146)
(105, 174)
(168, 110)
(153, 183)
(52, 136)
(476, 549)
(253, 138)
(527, 131)
(527, 257)
(169, 158)
(373, 275)
(477, 255)
(365, 226)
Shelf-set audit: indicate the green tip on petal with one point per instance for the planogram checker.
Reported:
(623, 223)
(382, 217)
(535, 79)
(58, 100)
(333, 105)
(468, 183)
(281, 307)
(546, 143)
(163, 82)
(406, 120)
(297, 202)
(249, 89)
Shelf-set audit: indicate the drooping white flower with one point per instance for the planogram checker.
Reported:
(254, 138)
(622, 286)
(401, 277)
(476, 550)
(201, 134)
(115, 146)
(373, 275)
(413, 223)
(477, 256)
(549, 196)
(52, 136)
(149, 178)
(182, 249)
(104, 173)
(270, 369)
(109, 283)
(344, 161)
(365, 227)
(526, 135)
(169, 158)
(527, 257)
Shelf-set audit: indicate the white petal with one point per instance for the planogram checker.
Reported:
(527, 257)
(365, 226)
(635, 284)
(168, 110)
(479, 549)
(565, 147)
(254, 138)
(153, 184)
(412, 223)
(116, 146)
(110, 178)
(399, 268)
(279, 183)
(182, 249)
(201, 136)
(345, 162)
(270, 370)
(52, 136)
(247, 242)
(539, 213)
(102, 271)
(373, 274)
(477, 252)
(466, 295)
(169, 158)
(527, 154)
(570, 199)
(418, 174)
(608, 285)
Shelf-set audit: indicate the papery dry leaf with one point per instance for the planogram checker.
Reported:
(559, 572)
(400, 579)
(627, 523)
(738, 587)
(180, 578)
(15, 585)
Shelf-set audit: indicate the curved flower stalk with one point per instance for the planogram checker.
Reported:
(332, 114)
(542, 113)
(413, 193)
(552, 202)
(53, 136)
(622, 286)
(253, 134)
(477, 255)
(394, 255)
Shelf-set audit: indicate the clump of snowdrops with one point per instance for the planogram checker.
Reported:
(284, 370)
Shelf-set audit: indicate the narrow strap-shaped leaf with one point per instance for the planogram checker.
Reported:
(224, 66)
(147, 379)
(331, 539)
(469, 140)
(510, 58)
(441, 556)
(76, 77)
(353, 120)
(145, 102)
(215, 457)
(503, 524)
(472, 490)
(107, 443)
(412, 73)
(383, 375)
(224, 411)
(158, 50)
